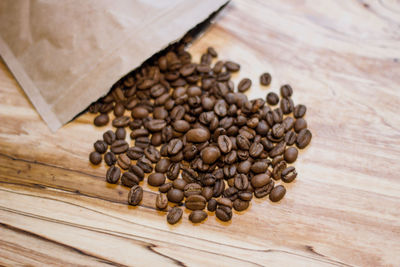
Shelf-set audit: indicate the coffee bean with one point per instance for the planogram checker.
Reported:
(165, 187)
(161, 201)
(277, 193)
(245, 195)
(260, 180)
(173, 170)
(109, 137)
(289, 174)
(135, 195)
(265, 79)
(300, 124)
(279, 149)
(244, 167)
(255, 150)
(290, 138)
(288, 123)
(299, 111)
(95, 158)
(240, 205)
(221, 108)
(179, 184)
(175, 146)
(224, 213)
(145, 165)
(242, 142)
(156, 179)
(152, 154)
(181, 126)
(212, 205)
(303, 138)
(224, 144)
(174, 215)
(162, 165)
(259, 166)
(155, 125)
(244, 85)
(137, 171)
(142, 142)
(113, 174)
(122, 121)
(124, 161)
(197, 216)
(224, 202)
(192, 189)
(195, 202)
(241, 181)
(287, 105)
(110, 158)
(278, 130)
(277, 159)
(291, 154)
(119, 146)
(175, 195)
(212, 52)
(198, 135)
(120, 133)
(277, 172)
(101, 120)
(210, 154)
(232, 66)
(286, 91)
(129, 179)
(207, 192)
(100, 146)
(264, 190)
(272, 98)
(139, 113)
(135, 152)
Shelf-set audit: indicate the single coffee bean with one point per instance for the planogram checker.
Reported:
(242, 142)
(100, 146)
(300, 124)
(101, 120)
(156, 179)
(161, 201)
(272, 98)
(224, 213)
(221, 108)
(181, 126)
(289, 174)
(129, 179)
(255, 150)
(277, 193)
(303, 138)
(119, 110)
(287, 105)
(288, 123)
(137, 171)
(119, 146)
(212, 52)
(224, 202)
(145, 165)
(195, 202)
(291, 154)
(240, 205)
(212, 205)
(120, 133)
(192, 189)
(124, 161)
(113, 174)
(245, 195)
(165, 187)
(241, 181)
(224, 144)
(286, 91)
(207, 192)
(109, 137)
(290, 138)
(198, 135)
(260, 166)
(173, 170)
(110, 158)
(162, 165)
(175, 195)
(264, 190)
(95, 158)
(265, 79)
(139, 113)
(299, 111)
(152, 154)
(197, 216)
(232, 66)
(279, 149)
(278, 130)
(174, 215)
(135, 152)
(277, 159)
(135, 195)
(155, 125)
(244, 167)
(244, 85)
(122, 121)
(175, 146)
(218, 188)
(260, 180)
(141, 132)
(210, 154)
(278, 169)
(179, 184)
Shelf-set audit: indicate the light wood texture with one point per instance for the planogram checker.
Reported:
(342, 59)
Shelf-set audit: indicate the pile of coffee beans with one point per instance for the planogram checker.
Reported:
(202, 142)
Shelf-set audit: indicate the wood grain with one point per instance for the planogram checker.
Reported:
(341, 57)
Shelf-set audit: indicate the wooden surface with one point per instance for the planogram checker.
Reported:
(342, 59)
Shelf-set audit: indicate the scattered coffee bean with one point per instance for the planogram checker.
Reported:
(265, 79)
(101, 120)
(95, 158)
(272, 98)
(289, 174)
(244, 85)
(119, 146)
(197, 216)
(303, 138)
(240, 205)
(286, 91)
(195, 202)
(161, 201)
(277, 193)
(129, 179)
(135, 195)
(224, 213)
(110, 158)
(100, 146)
(299, 111)
(174, 215)
(120, 133)
(300, 124)
(156, 179)
(109, 137)
(113, 174)
(291, 154)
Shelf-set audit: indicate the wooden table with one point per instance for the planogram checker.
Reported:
(341, 57)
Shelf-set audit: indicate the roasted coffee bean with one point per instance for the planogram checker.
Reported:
(122, 121)
(156, 139)
(109, 137)
(175, 195)
(174, 215)
(260, 180)
(240, 205)
(243, 154)
(129, 179)
(152, 154)
(142, 142)
(192, 189)
(155, 125)
(135, 195)
(139, 133)
(230, 171)
(219, 188)
(272, 98)
(288, 123)
(303, 138)
(139, 113)
(212, 205)
(299, 111)
(181, 126)
(287, 105)
(232, 66)
(100, 146)
(264, 190)
(197, 216)
(278, 130)
(135, 152)
(207, 192)
(212, 52)
(113, 174)
(260, 166)
(291, 154)
(277, 193)
(245, 195)
(242, 142)
(286, 91)
(195, 202)
(175, 146)
(101, 120)
(145, 165)
(156, 179)
(244, 85)
(179, 184)
(120, 133)
(135, 169)
(300, 124)
(210, 154)
(119, 146)
(289, 174)
(279, 149)
(187, 69)
(265, 79)
(135, 124)
(162, 165)
(253, 122)
(165, 187)
(124, 161)
(224, 213)
(278, 169)
(198, 135)
(110, 158)
(277, 159)
(173, 170)
(290, 138)
(255, 150)
(220, 108)
(161, 201)
(95, 158)
(224, 202)
(160, 113)
(224, 143)
(241, 181)
(244, 167)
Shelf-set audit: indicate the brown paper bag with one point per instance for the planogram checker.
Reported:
(67, 54)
